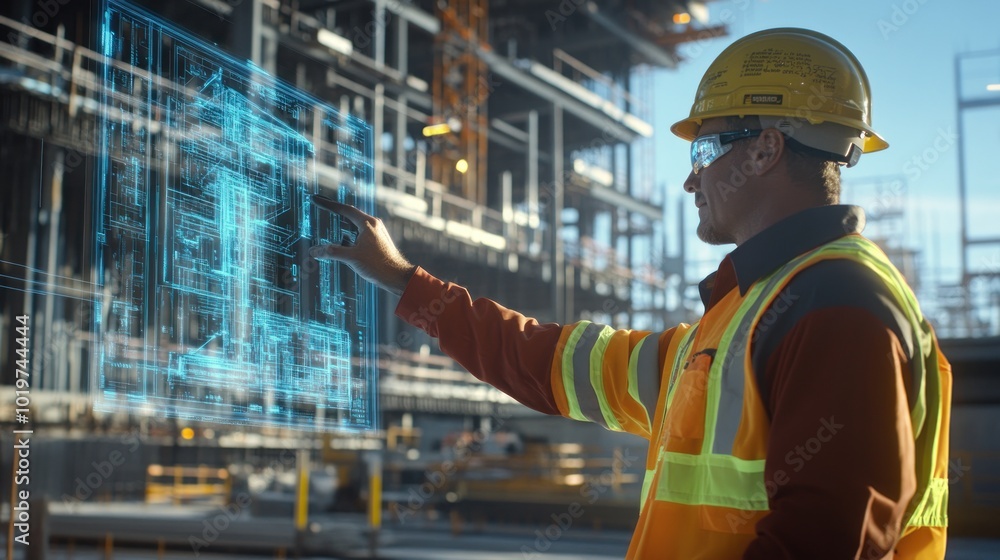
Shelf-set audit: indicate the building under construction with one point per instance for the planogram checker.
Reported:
(510, 142)
(512, 154)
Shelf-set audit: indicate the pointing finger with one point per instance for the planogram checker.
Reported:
(352, 214)
(327, 252)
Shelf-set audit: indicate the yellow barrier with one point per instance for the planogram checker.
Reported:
(185, 484)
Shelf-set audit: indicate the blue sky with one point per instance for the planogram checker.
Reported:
(908, 49)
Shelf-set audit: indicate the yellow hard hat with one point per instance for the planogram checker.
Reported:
(796, 74)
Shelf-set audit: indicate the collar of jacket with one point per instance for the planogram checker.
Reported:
(785, 240)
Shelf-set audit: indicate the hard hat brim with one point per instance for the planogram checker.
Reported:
(787, 73)
(687, 129)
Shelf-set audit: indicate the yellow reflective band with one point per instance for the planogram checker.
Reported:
(866, 252)
(933, 413)
(597, 378)
(921, 331)
(712, 480)
(682, 352)
(647, 481)
(567, 371)
(722, 480)
(930, 506)
(933, 508)
(724, 406)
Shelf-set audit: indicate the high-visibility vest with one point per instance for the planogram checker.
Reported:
(705, 488)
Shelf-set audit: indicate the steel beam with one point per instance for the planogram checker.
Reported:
(505, 69)
(558, 258)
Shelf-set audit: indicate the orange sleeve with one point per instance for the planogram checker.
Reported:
(609, 377)
(582, 371)
(495, 344)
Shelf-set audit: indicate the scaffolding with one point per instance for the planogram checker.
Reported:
(976, 310)
(535, 189)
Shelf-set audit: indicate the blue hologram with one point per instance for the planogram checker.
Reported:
(208, 306)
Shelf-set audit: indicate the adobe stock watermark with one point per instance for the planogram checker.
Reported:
(46, 12)
(991, 263)
(75, 156)
(418, 496)
(956, 470)
(547, 190)
(818, 97)
(899, 16)
(426, 315)
(795, 460)
(362, 36)
(591, 491)
(695, 386)
(465, 106)
(563, 10)
(782, 303)
(726, 16)
(436, 479)
(888, 198)
(215, 525)
(920, 163)
(101, 471)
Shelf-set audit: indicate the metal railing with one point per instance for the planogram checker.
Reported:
(177, 485)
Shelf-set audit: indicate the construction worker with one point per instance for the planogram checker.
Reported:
(806, 414)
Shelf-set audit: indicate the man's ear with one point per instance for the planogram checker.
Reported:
(766, 150)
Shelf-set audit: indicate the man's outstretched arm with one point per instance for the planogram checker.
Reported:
(497, 345)
(583, 371)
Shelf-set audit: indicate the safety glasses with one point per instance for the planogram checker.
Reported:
(710, 147)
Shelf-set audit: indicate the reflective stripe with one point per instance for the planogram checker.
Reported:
(712, 480)
(644, 372)
(647, 481)
(726, 377)
(727, 381)
(730, 410)
(925, 410)
(932, 511)
(929, 505)
(923, 339)
(590, 409)
(933, 499)
(715, 478)
(569, 387)
(868, 253)
(597, 382)
(682, 352)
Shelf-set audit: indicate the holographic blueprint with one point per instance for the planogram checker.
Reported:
(210, 308)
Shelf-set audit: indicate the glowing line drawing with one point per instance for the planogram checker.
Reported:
(210, 308)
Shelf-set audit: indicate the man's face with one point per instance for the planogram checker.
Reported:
(717, 189)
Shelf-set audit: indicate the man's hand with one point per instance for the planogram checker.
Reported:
(374, 256)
